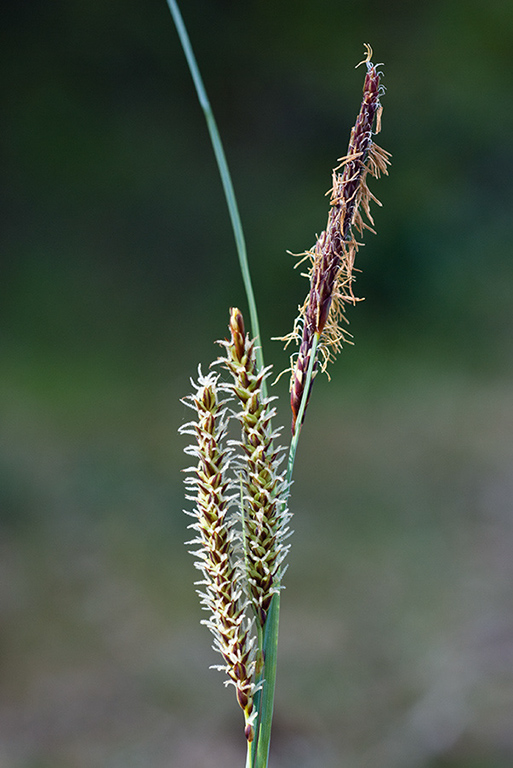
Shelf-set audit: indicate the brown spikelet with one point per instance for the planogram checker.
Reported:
(332, 257)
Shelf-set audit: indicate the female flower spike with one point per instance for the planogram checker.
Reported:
(332, 257)
(264, 512)
(210, 491)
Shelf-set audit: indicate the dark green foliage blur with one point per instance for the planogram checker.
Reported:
(118, 269)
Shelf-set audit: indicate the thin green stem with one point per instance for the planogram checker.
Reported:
(225, 179)
(265, 714)
(302, 407)
(265, 702)
(249, 755)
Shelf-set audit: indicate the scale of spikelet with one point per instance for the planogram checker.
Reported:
(264, 511)
(209, 489)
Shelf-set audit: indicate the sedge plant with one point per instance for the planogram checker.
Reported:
(239, 488)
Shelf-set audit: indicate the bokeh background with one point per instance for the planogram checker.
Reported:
(117, 271)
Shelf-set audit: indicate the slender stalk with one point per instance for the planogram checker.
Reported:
(249, 755)
(302, 408)
(265, 714)
(264, 700)
(226, 180)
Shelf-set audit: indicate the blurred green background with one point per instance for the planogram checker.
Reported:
(117, 271)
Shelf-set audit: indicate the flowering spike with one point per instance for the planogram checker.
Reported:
(264, 512)
(332, 257)
(210, 490)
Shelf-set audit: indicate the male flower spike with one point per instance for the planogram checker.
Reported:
(332, 257)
